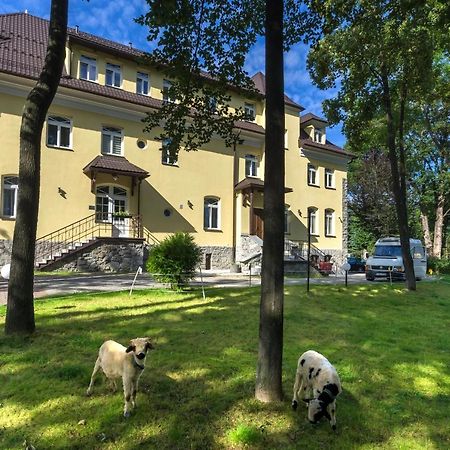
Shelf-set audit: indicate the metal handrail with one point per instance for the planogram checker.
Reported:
(299, 249)
(82, 231)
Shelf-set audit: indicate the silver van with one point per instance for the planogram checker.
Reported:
(387, 260)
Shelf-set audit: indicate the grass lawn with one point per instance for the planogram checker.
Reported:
(391, 348)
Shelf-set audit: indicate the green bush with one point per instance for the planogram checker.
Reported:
(174, 260)
(440, 266)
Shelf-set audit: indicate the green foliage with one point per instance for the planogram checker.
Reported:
(175, 259)
(360, 238)
(439, 265)
(246, 435)
(199, 381)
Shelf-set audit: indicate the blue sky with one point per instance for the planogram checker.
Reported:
(114, 20)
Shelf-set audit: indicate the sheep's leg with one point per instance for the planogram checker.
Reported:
(94, 372)
(113, 384)
(127, 392)
(298, 386)
(331, 409)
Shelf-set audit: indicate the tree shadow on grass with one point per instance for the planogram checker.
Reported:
(199, 381)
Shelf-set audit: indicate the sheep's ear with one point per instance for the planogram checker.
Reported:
(130, 348)
(149, 345)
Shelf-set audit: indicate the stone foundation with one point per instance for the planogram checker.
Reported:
(112, 258)
(217, 257)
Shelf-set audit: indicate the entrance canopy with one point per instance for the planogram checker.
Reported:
(114, 165)
(250, 184)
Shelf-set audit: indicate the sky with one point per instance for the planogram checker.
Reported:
(114, 20)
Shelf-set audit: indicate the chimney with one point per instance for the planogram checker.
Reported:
(130, 44)
(77, 29)
(26, 11)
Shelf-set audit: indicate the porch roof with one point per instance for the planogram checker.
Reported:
(115, 165)
(254, 184)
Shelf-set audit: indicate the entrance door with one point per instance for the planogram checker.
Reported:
(257, 223)
(111, 206)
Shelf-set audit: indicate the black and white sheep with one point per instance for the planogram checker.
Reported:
(128, 363)
(317, 383)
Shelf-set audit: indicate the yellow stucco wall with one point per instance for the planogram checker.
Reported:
(180, 189)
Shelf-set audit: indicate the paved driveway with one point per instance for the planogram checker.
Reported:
(54, 285)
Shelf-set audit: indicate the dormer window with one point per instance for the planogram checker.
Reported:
(250, 111)
(319, 136)
(113, 75)
(88, 68)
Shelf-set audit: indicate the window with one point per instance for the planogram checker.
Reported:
(318, 136)
(286, 140)
(211, 213)
(249, 109)
(142, 83)
(329, 222)
(88, 68)
(251, 166)
(9, 195)
(312, 175)
(313, 221)
(111, 141)
(113, 75)
(329, 178)
(169, 155)
(59, 132)
(167, 95)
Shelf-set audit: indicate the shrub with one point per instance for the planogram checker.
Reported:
(174, 260)
(440, 266)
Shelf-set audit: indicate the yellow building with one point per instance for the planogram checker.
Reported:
(103, 177)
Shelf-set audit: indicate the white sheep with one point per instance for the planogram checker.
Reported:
(128, 363)
(318, 384)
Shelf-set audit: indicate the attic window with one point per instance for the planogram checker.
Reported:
(319, 135)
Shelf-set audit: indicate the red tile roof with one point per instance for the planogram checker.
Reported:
(309, 117)
(256, 184)
(115, 164)
(23, 43)
(307, 143)
(260, 83)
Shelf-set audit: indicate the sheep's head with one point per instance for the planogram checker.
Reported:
(140, 346)
(316, 410)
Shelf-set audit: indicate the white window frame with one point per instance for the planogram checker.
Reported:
(210, 204)
(318, 135)
(251, 166)
(313, 179)
(250, 111)
(286, 140)
(166, 158)
(329, 223)
(91, 68)
(10, 187)
(167, 84)
(112, 133)
(313, 221)
(116, 75)
(59, 122)
(329, 179)
(144, 79)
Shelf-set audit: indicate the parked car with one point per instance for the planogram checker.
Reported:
(356, 264)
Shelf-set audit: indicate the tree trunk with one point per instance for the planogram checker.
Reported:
(20, 307)
(426, 233)
(398, 186)
(438, 226)
(268, 373)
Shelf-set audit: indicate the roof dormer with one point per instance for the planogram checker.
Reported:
(315, 127)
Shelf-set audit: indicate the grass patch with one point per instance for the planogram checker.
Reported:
(390, 346)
